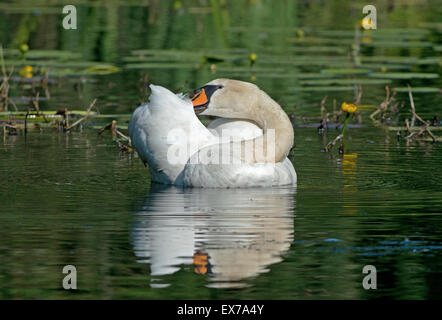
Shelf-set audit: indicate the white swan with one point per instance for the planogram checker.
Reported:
(180, 150)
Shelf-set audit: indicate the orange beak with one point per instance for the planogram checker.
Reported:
(200, 262)
(200, 98)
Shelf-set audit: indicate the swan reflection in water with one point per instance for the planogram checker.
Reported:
(228, 234)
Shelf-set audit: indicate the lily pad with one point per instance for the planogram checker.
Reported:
(102, 69)
(385, 67)
(345, 81)
(345, 71)
(389, 59)
(52, 54)
(325, 88)
(367, 107)
(398, 44)
(404, 75)
(161, 66)
(418, 89)
(414, 128)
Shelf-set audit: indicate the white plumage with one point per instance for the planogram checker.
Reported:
(169, 138)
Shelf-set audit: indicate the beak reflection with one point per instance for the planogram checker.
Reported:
(227, 237)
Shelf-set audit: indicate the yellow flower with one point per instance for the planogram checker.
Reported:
(26, 72)
(177, 5)
(366, 40)
(213, 68)
(24, 48)
(348, 107)
(365, 23)
(253, 57)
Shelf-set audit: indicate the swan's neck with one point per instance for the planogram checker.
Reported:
(277, 130)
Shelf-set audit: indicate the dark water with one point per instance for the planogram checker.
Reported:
(74, 198)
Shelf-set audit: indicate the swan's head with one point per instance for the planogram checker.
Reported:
(225, 98)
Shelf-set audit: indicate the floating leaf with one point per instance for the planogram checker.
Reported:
(414, 128)
(325, 88)
(398, 44)
(385, 67)
(102, 69)
(161, 66)
(345, 71)
(367, 107)
(212, 59)
(345, 81)
(418, 89)
(52, 54)
(404, 75)
(390, 59)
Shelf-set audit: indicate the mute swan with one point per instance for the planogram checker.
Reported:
(247, 147)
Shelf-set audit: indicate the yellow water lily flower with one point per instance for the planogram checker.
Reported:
(365, 23)
(24, 48)
(253, 57)
(26, 72)
(348, 107)
(212, 68)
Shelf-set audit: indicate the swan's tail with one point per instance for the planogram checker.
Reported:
(163, 128)
(162, 98)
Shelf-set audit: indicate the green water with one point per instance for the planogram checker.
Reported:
(75, 199)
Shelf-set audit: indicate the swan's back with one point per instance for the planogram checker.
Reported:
(163, 125)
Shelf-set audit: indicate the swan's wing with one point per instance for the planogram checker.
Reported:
(165, 132)
(235, 129)
(240, 176)
(205, 169)
(212, 174)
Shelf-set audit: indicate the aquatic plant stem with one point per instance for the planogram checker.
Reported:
(331, 144)
(82, 118)
(341, 148)
(413, 109)
(347, 117)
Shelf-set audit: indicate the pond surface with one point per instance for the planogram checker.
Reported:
(75, 199)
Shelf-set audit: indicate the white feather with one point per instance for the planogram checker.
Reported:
(168, 122)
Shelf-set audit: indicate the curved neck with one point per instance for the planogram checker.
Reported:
(278, 136)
